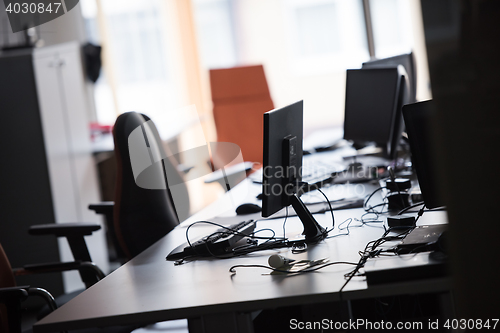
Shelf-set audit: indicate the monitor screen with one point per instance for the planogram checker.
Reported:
(282, 127)
(371, 106)
(408, 62)
(417, 118)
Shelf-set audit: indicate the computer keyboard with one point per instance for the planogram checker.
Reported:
(315, 170)
(218, 242)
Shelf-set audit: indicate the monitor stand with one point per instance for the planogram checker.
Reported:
(313, 232)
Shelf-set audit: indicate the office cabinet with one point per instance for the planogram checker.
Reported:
(49, 167)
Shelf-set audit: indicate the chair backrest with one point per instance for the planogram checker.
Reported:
(143, 214)
(240, 97)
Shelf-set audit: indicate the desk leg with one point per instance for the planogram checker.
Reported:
(230, 322)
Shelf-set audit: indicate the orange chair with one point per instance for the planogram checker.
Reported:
(240, 97)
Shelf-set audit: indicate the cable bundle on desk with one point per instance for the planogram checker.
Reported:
(368, 253)
(372, 208)
(372, 248)
(365, 255)
(292, 273)
(271, 242)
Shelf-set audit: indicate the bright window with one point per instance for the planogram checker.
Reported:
(138, 76)
(325, 35)
(214, 26)
(392, 27)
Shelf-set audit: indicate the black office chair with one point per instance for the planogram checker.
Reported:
(11, 295)
(140, 216)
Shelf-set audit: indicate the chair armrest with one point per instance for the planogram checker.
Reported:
(74, 233)
(19, 293)
(59, 267)
(46, 268)
(64, 229)
(104, 208)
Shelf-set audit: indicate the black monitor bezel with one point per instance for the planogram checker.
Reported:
(279, 124)
(407, 60)
(399, 96)
(418, 120)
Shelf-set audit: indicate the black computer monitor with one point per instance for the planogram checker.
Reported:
(282, 166)
(407, 60)
(418, 117)
(374, 98)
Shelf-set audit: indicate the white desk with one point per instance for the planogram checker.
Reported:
(150, 289)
